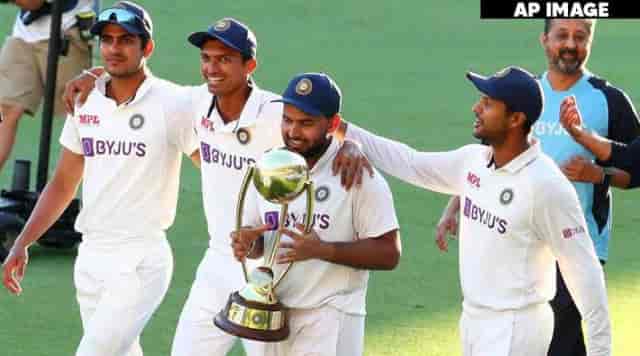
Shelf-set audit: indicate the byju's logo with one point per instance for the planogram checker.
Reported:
(87, 146)
(484, 217)
(320, 221)
(92, 147)
(212, 155)
(271, 218)
(572, 232)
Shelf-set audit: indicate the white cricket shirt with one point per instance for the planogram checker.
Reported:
(515, 222)
(338, 216)
(227, 150)
(40, 29)
(132, 158)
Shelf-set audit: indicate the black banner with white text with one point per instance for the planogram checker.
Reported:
(511, 9)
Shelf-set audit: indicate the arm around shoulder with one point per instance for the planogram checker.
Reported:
(437, 171)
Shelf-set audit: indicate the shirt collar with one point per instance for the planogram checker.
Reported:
(145, 87)
(249, 115)
(326, 157)
(585, 77)
(252, 107)
(523, 159)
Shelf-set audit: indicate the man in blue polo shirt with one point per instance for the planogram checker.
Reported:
(606, 110)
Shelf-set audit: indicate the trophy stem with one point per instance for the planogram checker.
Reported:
(308, 221)
(240, 208)
(271, 258)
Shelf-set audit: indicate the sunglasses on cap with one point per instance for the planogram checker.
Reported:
(123, 16)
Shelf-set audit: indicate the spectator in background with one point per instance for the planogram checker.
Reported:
(23, 62)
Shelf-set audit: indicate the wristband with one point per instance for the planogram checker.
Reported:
(90, 73)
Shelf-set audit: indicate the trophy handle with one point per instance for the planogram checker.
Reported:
(271, 257)
(307, 225)
(240, 208)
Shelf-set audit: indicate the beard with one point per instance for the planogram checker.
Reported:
(571, 65)
(126, 72)
(487, 136)
(315, 150)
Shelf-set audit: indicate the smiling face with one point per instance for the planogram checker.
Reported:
(304, 133)
(567, 44)
(223, 68)
(123, 53)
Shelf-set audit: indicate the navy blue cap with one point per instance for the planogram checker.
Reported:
(314, 93)
(514, 86)
(232, 33)
(130, 16)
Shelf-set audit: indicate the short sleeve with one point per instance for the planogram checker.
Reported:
(374, 212)
(181, 120)
(70, 137)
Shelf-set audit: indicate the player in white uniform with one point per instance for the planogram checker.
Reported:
(126, 145)
(519, 214)
(353, 231)
(236, 123)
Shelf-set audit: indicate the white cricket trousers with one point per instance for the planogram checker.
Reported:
(118, 289)
(522, 332)
(323, 331)
(218, 275)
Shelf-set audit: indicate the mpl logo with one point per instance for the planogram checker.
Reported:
(206, 123)
(473, 179)
(86, 119)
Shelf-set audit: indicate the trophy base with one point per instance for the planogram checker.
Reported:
(251, 320)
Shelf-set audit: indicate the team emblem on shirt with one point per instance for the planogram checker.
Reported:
(322, 193)
(506, 196)
(136, 121)
(243, 136)
(222, 25)
(304, 87)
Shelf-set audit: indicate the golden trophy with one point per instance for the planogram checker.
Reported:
(254, 312)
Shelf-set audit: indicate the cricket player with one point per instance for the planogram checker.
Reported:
(126, 145)
(519, 215)
(238, 122)
(353, 231)
(235, 122)
(609, 112)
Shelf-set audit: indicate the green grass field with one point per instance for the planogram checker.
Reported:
(401, 67)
